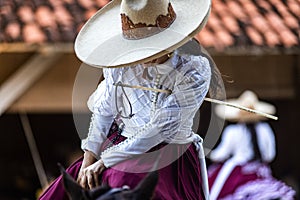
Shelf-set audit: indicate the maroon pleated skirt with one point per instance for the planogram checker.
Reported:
(252, 180)
(180, 179)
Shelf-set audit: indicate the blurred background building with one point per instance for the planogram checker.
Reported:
(255, 44)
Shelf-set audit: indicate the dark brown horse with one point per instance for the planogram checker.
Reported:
(144, 190)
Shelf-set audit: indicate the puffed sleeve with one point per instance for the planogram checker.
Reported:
(192, 84)
(266, 142)
(227, 145)
(99, 104)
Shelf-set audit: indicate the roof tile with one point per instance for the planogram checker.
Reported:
(275, 21)
(294, 7)
(288, 38)
(13, 29)
(236, 10)
(291, 21)
(232, 22)
(86, 4)
(227, 20)
(271, 38)
(101, 3)
(260, 24)
(33, 34)
(255, 36)
(26, 14)
(225, 38)
(45, 17)
(63, 17)
(89, 13)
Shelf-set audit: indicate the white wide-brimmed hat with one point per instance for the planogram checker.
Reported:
(128, 32)
(247, 99)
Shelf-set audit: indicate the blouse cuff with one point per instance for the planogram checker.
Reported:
(94, 147)
(109, 160)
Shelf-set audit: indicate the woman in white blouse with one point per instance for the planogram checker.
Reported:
(240, 168)
(150, 119)
(155, 86)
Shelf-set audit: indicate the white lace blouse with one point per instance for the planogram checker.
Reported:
(236, 144)
(157, 117)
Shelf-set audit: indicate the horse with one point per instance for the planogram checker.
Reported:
(144, 190)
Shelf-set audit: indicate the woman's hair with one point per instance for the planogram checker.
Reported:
(216, 89)
(257, 154)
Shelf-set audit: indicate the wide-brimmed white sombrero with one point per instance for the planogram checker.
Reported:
(103, 41)
(247, 99)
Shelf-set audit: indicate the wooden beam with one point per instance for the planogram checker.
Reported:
(42, 48)
(24, 77)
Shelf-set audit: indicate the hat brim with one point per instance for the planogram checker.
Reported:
(100, 42)
(237, 115)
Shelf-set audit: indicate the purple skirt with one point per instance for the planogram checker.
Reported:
(251, 181)
(179, 180)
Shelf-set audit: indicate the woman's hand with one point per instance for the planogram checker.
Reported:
(90, 170)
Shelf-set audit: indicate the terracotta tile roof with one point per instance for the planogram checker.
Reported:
(264, 23)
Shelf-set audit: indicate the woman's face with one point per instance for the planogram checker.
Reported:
(159, 60)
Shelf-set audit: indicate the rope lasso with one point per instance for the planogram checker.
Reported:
(205, 99)
(116, 101)
(241, 108)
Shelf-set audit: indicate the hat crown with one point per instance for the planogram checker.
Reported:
(248, 99)
(144, 11)
(144, 18)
